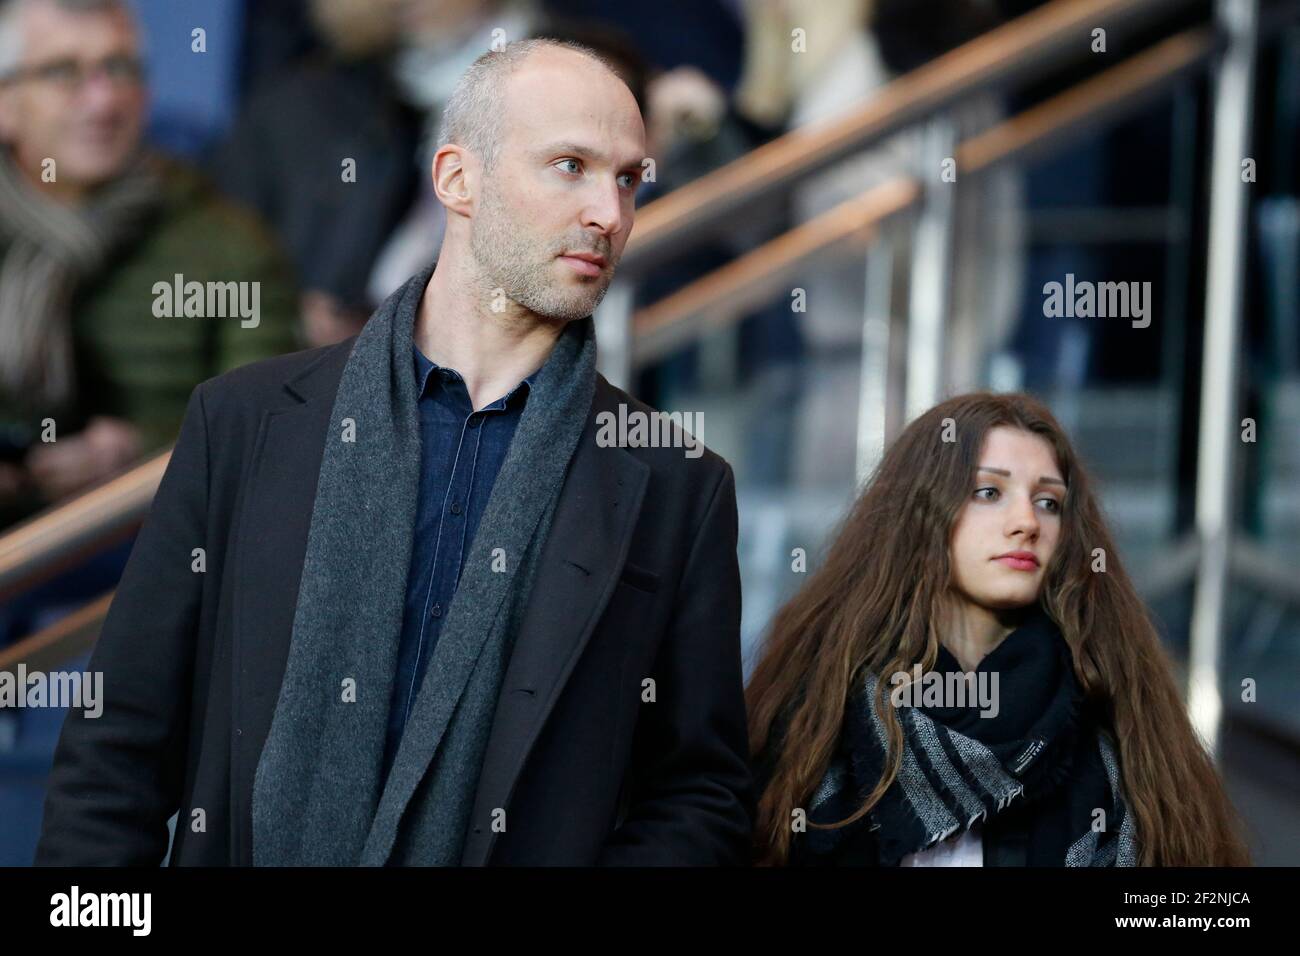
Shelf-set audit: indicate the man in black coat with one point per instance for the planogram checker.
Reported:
(284, 665)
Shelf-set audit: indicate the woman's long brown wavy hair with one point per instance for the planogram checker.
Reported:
(873, 605)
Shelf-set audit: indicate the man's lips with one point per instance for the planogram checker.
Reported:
(585, 263)
(1019, 560)
(588, 256)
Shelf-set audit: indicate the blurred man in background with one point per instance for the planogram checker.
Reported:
(90, 222)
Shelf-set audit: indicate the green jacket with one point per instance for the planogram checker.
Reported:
(135, 365)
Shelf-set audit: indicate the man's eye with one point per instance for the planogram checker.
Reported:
(573, 161)
(63, 71)
(632, 179)
(123, 67)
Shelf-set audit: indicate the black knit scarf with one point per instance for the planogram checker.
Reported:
(1042, 758)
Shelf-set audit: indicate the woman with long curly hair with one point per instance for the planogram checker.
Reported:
(970, 677)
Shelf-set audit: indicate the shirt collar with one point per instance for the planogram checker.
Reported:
(425, 367)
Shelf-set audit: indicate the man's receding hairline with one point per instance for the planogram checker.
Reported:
(11, 27)
(473, 116)
(530, 59)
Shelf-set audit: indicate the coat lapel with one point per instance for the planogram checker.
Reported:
(580, 565)
(270, 545)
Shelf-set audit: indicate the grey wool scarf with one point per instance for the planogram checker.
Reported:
(317, 793)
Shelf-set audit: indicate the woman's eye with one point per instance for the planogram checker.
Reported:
(1052, 504)
(986, 488)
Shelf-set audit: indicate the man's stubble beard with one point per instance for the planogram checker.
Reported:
(508, 259)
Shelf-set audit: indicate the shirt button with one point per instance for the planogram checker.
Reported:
(436, 611)
(455, 508)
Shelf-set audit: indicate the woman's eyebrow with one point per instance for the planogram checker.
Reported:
(1043, 479)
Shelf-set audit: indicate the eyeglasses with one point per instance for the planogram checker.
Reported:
(70, 75)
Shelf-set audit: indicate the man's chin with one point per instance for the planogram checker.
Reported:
(558, 306)
(582, 295)
(578, 308)
(103, 155)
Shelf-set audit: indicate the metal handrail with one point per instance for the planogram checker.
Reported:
(1014, 53)
(727, 293)
(66, 638)
(57, 538)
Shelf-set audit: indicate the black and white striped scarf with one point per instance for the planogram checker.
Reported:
(49, 249)
(1044, 753)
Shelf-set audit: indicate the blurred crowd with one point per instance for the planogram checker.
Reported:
(310, 178)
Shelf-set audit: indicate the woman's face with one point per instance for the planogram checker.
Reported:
(1008, 528)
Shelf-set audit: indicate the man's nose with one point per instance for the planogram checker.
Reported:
(99, 93)
(604, 207)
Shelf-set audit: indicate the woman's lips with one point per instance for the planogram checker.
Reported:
(582, 266)
(1019, 564)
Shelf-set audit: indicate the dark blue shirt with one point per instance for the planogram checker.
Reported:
(461, 451)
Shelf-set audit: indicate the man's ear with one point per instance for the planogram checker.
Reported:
(455, 178)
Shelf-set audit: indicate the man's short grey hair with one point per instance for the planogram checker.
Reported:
(11, 28)
(473, 115)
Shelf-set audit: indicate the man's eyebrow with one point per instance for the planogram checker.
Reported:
(577, 149)
(1044, 479)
